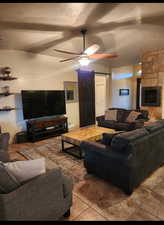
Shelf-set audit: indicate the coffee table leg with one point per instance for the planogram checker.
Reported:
(80, 153)
(62, 143)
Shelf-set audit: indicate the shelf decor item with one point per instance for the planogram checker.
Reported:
(6, 89)
(5, 74)
(6, 71)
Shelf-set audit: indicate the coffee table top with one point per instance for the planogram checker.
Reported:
(90, 133)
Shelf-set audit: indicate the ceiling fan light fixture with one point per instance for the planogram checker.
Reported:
(84, 61)
(92, 49)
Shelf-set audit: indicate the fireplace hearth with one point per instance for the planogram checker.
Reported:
(151, 96)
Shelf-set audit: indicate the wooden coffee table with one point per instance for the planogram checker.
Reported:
(89, 133)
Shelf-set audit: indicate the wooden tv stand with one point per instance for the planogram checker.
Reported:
(39, 129)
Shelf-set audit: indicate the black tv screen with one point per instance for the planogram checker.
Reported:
(43, 103)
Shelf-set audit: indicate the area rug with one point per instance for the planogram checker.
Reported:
(55, 158)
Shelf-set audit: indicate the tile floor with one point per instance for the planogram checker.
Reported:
(97, 200)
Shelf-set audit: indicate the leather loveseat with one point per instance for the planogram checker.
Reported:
(121, 123)
(128, 158)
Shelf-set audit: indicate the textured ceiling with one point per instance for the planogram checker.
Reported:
(125, 28)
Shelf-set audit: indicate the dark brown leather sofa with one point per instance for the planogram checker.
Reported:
(121, 123)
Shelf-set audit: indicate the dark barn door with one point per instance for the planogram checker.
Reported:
(86, 86)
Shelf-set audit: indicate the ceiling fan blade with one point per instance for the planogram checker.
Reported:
(33, 26)
(91, 50)
(64, 60)
(72, 53)
(103, 56)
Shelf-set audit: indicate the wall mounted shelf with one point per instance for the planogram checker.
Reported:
(7, 94)
(8, 78)
(9, 109)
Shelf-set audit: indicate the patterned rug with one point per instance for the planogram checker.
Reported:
(54, 157)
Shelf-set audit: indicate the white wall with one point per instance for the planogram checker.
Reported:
(121, 79)
(35, 72)
(100, 95)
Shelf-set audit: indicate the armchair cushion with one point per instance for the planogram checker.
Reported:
(27, 169)
(8, 182)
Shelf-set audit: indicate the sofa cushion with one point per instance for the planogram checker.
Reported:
(8, 182)
(111, 115)
(155, 126)
(120, 115)
(27, 169)
(120, 141)
(108, 123)
(124, 115)
(122, 126)
(133, 115)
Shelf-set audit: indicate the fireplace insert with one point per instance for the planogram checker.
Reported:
(151, 96)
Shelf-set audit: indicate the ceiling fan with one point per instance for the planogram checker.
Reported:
(87, 53)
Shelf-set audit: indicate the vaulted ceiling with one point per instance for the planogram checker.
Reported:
(125, 28)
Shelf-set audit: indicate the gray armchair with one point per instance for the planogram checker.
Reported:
(45, 197)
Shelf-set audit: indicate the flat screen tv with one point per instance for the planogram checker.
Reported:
(43, 103)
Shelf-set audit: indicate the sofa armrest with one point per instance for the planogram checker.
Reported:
(46, 189)
(4, 143)
(100, 118)
(136, 124)
(139, 123)
(101, 150)
(107, 138)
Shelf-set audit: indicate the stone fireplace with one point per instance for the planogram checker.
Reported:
(153, 80)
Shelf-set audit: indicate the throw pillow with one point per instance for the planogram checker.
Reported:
(111, 114)
(8, 182)
(27, 169)
(132, 116)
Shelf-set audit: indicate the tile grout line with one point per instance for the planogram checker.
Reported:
(80, 213)
(81, 199)
(90, 206)
(145, 209)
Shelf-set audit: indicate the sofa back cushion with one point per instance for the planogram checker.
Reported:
(111, 114)
(121, 141)
(123, 114)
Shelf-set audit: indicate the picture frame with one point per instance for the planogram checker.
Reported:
(123, 91)
(71, 91)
